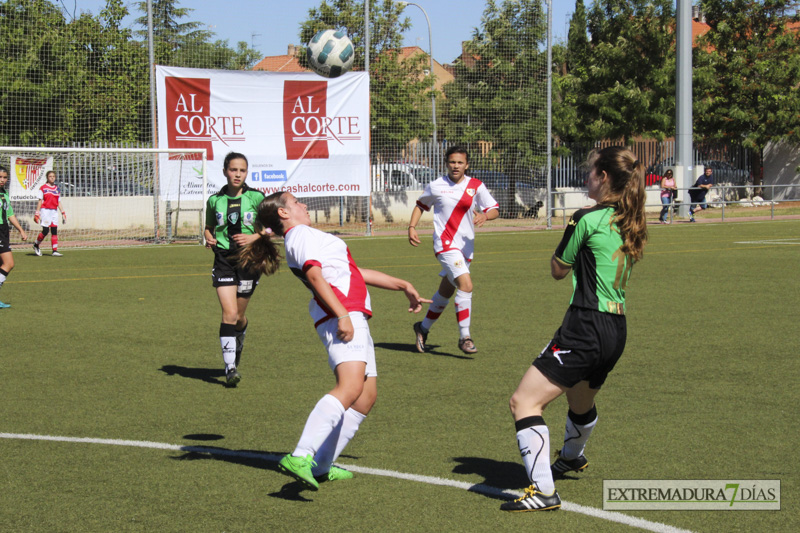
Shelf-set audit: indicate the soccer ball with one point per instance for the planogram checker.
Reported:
(330, 53)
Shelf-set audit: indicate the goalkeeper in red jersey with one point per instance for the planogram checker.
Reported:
(47, 213)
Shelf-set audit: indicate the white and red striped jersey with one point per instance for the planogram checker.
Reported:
(307, 247)
(453, 207)
(49, 195)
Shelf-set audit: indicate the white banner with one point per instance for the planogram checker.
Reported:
(27, 174)
(301, 132)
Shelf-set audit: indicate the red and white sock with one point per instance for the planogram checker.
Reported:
(463, 312)
(434, 310)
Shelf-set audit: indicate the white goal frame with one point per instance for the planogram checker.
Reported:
(112, 195)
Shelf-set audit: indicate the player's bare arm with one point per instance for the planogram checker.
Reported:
(325, 293)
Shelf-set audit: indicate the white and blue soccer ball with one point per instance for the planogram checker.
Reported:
(330, 53)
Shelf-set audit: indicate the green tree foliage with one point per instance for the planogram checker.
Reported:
(64, 82)
(621, 82)
(500, 85)
(400, 108)
(181, 43)
(747, 73)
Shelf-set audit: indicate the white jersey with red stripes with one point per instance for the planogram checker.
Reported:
(453, 207)
(49, 195)
(307, 247)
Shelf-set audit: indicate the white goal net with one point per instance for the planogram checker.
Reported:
(112, 196)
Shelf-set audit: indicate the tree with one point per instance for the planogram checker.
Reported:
(621, 84)
(747, 74)
(499, 89)
(186, 44)
(399, 90)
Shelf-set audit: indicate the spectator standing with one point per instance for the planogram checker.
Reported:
(668, 192)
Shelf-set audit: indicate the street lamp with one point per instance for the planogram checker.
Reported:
(430, 53)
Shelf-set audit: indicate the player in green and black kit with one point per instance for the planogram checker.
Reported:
(599, 246)
(6, 217)
(230, 216)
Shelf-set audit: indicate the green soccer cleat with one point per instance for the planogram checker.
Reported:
(300, 469)
(533, 500)
(335, 474)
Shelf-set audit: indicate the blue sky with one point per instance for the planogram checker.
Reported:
(270, 25)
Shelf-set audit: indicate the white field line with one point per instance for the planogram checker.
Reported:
(471, 487)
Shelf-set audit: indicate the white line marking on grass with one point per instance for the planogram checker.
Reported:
(795, 241)
(430, 480)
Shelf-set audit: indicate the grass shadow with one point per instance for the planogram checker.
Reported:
(431, 349)
(500, 474)
(209, 375)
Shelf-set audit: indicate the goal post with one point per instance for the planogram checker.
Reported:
(112, 196)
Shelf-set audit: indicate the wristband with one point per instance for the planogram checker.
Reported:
(37, 213)
(343, 316)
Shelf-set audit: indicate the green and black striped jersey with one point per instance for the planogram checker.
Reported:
(600, 271)
(6, 211)
(229, 215)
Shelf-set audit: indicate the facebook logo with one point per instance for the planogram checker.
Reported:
(266, 176)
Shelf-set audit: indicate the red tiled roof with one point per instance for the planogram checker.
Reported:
(285, 63)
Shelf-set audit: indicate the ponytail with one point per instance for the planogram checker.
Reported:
(627, 193)
(263, 254)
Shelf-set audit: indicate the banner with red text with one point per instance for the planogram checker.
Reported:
(301, 132)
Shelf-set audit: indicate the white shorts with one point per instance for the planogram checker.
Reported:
(49, 217)
(454, 264)
(360, 348)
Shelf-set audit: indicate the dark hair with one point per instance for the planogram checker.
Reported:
(669, 171)
(263, 254)
(456, 149)
(3, 169)
(626, 193)
(53, 172)
(230, 157)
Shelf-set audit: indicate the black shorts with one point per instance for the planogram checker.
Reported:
(585, 348)
(227, 273)
(5, 241)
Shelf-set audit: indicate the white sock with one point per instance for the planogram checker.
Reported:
(324, 418)
(227, 340)
(533, 439)
(578, 430)
(337, 440)
(463, 312)
(434, 310)
(3, 276)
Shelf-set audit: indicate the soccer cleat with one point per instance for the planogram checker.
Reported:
(467, 346)
(57, 254)
(36, 250)
(300, 469)
(561, 466)
(232, 377)
(335, 474)
(422, 337)
(533, 500)
(4, 306)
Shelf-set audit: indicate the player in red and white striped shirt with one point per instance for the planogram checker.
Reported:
(340, 309)
(454, 199)
(47, 213)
